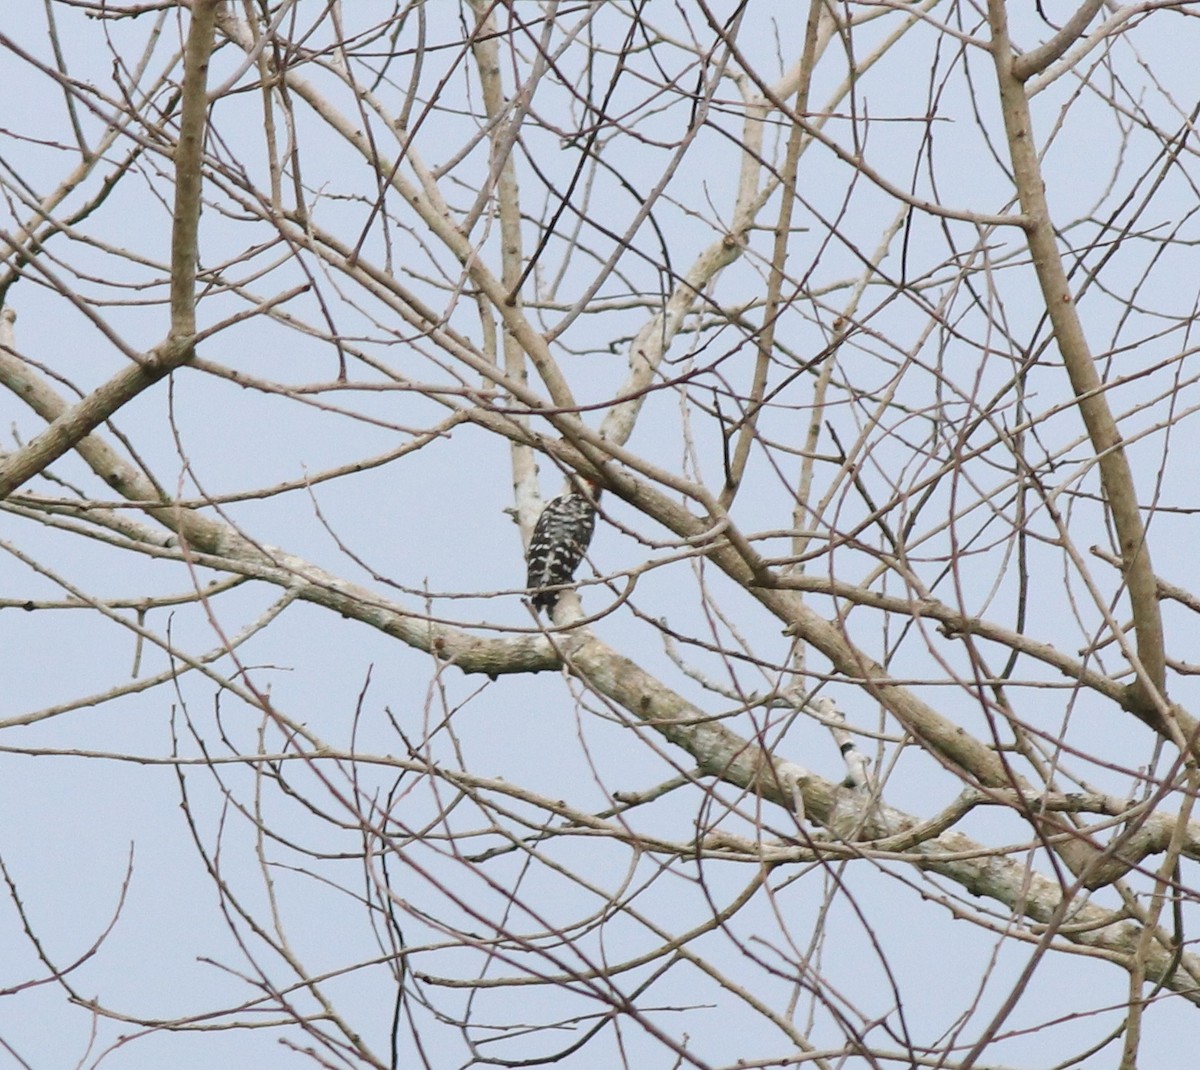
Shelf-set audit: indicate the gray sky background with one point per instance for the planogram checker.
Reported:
(431, 532)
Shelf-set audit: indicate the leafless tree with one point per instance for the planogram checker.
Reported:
(867, 734)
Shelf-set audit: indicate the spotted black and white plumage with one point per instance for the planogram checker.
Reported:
(560, 539)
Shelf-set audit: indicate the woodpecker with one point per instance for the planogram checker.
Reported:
(560, 539)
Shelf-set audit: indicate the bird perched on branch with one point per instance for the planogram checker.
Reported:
(560, 539)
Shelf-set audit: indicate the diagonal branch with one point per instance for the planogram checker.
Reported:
(772, 307)
(1146, 693)
(718, 751)
(74, 424)
(1038, 59)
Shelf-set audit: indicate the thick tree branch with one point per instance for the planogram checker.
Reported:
(1147, 693)
(72, 425)
(1038, 59)
(486, 47)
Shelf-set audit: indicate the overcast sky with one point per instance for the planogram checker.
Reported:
(101, 824)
